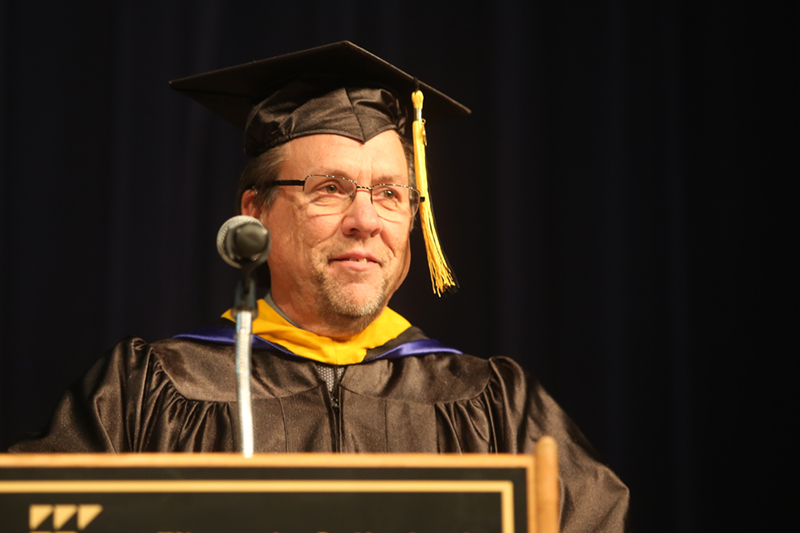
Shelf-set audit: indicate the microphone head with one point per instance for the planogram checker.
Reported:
(241, 239)
(248, 240)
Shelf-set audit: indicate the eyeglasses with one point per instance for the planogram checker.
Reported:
(328, 195)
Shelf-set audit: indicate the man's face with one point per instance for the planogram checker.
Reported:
(335, 273)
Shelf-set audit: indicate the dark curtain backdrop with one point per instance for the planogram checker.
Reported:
(616, 209)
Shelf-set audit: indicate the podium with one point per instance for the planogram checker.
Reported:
(291, 493)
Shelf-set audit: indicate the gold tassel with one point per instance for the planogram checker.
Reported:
(442, 277)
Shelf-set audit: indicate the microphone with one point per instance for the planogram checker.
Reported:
(243, 242)
(243, 239)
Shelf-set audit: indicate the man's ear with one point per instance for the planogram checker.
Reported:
(249, 207)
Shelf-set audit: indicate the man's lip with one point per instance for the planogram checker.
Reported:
(356, 258)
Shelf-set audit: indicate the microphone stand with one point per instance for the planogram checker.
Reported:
(245, 310)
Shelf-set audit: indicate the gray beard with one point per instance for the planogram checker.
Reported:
(342, 313)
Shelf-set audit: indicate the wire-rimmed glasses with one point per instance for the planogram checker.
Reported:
(327, 194)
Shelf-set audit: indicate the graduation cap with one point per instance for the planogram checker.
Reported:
(339, 89)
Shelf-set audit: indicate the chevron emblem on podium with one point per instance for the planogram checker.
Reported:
(60, 514)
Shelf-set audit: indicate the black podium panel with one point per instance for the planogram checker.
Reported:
(205, 494)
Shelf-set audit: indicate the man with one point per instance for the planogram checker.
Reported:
(334, 369)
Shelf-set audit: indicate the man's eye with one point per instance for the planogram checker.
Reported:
(331, 188)
(387, 193)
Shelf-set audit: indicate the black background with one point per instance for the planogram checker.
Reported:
(617, 209)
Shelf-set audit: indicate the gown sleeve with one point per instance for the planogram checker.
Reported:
(98, 413)
(128, 402)
(593, 498)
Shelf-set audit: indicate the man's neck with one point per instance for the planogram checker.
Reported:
(272, 304)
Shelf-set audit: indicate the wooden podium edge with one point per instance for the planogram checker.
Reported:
(304, 460)
(298, 460)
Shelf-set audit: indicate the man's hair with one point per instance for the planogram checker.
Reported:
(265, 168)
(259, 172)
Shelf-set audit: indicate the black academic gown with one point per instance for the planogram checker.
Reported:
(180, 395)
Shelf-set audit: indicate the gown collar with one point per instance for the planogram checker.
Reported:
(272, 331)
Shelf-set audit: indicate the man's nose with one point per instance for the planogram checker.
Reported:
(360, 216)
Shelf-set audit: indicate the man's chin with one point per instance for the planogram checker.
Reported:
(351, 304)
(355, 300)
(357, 306)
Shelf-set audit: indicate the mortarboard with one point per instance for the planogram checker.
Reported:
(338, 88)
